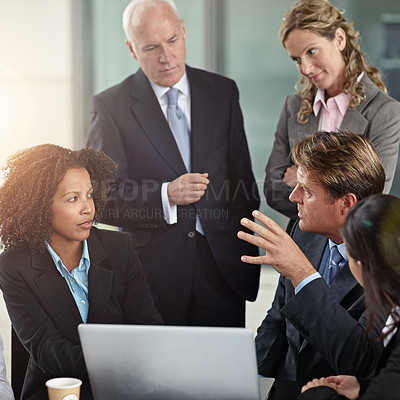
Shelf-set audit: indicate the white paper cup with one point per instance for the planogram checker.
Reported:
(64, 388)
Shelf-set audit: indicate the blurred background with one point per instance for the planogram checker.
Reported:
(55, 54)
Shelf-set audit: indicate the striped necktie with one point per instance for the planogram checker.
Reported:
(334, 262)
(179, 126)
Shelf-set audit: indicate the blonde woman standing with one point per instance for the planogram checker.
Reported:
(337, 89)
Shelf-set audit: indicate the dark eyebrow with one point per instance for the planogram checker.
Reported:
(72, 192)
(75, 192)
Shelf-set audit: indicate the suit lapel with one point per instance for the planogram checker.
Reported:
(311, 244)
(149, 115)
(353, 119)
(343, 283)
(100, 279)
(203, 108)
(56, 294)
(315, 251)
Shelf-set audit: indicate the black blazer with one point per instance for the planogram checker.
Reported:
(128, 124)
(319, 331)
(384, 386)
(43, 310)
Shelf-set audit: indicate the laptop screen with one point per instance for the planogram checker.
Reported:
(170, 362)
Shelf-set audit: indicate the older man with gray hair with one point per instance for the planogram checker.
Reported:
(185, 177)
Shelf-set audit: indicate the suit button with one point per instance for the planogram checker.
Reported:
(191, 234)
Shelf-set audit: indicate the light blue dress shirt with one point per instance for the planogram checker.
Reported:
(6, 393)
(77, 279)
(324, 265)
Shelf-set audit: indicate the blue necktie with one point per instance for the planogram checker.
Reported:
(179, 126)
(180, 129)
(335, 259)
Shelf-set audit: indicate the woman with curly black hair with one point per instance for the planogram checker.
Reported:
(57, 270)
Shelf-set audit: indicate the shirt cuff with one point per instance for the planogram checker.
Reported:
(307, 280)
(170, 212)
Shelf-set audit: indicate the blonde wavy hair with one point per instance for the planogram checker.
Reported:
(320, 17)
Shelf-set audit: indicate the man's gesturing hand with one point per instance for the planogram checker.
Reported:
(282, 252)
(187, 189)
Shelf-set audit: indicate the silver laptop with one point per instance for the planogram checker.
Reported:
(170, 362)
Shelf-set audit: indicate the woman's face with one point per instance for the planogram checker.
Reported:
(72, 208)
(319, 58)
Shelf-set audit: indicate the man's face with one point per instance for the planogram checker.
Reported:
(160, 45)
(317, 213)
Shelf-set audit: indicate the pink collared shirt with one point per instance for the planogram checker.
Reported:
(333, 110)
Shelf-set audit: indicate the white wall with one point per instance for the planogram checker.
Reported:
(35, 85)
(35, 74)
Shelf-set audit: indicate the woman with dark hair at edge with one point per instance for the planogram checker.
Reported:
(57, 270)
(372, 237)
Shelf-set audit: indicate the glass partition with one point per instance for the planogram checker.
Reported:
(244, 37)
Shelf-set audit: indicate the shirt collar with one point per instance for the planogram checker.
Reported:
(182, 85)
(342, 100)
(84, 263)
(318, 101)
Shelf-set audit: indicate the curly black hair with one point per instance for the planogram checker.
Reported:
(31, 179)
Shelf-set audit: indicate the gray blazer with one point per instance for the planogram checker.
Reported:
(378, 118)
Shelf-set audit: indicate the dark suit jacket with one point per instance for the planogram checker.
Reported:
(319, 331)
(127, 123)
(377, 117)
(384, 386)
(44, 313)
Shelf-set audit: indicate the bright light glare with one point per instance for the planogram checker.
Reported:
(15, 113)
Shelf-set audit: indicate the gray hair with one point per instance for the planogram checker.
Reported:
(129, 10)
